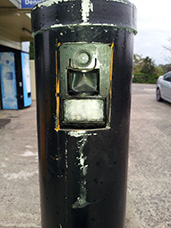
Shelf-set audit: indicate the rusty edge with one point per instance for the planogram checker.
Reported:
(110, 81)
(57, 90)
(111, 71)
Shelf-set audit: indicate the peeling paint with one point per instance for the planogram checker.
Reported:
(90, 24)
(76, 134)
(86, 7)
(66, 158)
(51, 2)
(121, 1)
(81, 201)
(79, 133)
(115, 26)
(76, 25)
(84, 167)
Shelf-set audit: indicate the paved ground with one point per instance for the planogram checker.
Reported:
(149, 180)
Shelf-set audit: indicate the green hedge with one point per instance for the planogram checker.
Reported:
(144, 78)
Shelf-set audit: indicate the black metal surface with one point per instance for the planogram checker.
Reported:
(117, 13)
(105, 151)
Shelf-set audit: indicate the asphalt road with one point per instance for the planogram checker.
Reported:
(149, 177)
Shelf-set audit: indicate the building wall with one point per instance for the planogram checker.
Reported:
(7, 42)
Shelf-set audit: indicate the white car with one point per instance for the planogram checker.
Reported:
(163, 90)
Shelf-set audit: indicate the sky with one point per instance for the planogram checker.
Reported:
(154, 29)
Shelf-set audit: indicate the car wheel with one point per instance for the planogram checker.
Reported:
(158, 95)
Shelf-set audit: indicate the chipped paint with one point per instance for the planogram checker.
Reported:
(66, 158)
(79, 133)
(66, 174)
(121, 1)
(81, 201)
(86, 7)
(72, 26)
(90, 24)
(84, 167)
(57, 25)
(76, 134)
(51, 2)
(86, 24)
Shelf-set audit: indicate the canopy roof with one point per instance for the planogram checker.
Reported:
(15, 23)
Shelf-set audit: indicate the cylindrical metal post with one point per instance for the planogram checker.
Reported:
(83, 54)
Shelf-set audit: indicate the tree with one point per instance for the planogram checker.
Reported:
(145, 70)
(165, 68)
(148, 66)
(143, 65)
(138, 63)
(159, 70)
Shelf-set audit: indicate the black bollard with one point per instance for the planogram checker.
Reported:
(83, 55)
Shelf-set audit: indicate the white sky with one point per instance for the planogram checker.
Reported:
(154, 28)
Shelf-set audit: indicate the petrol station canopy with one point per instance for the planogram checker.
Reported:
(15, 22)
